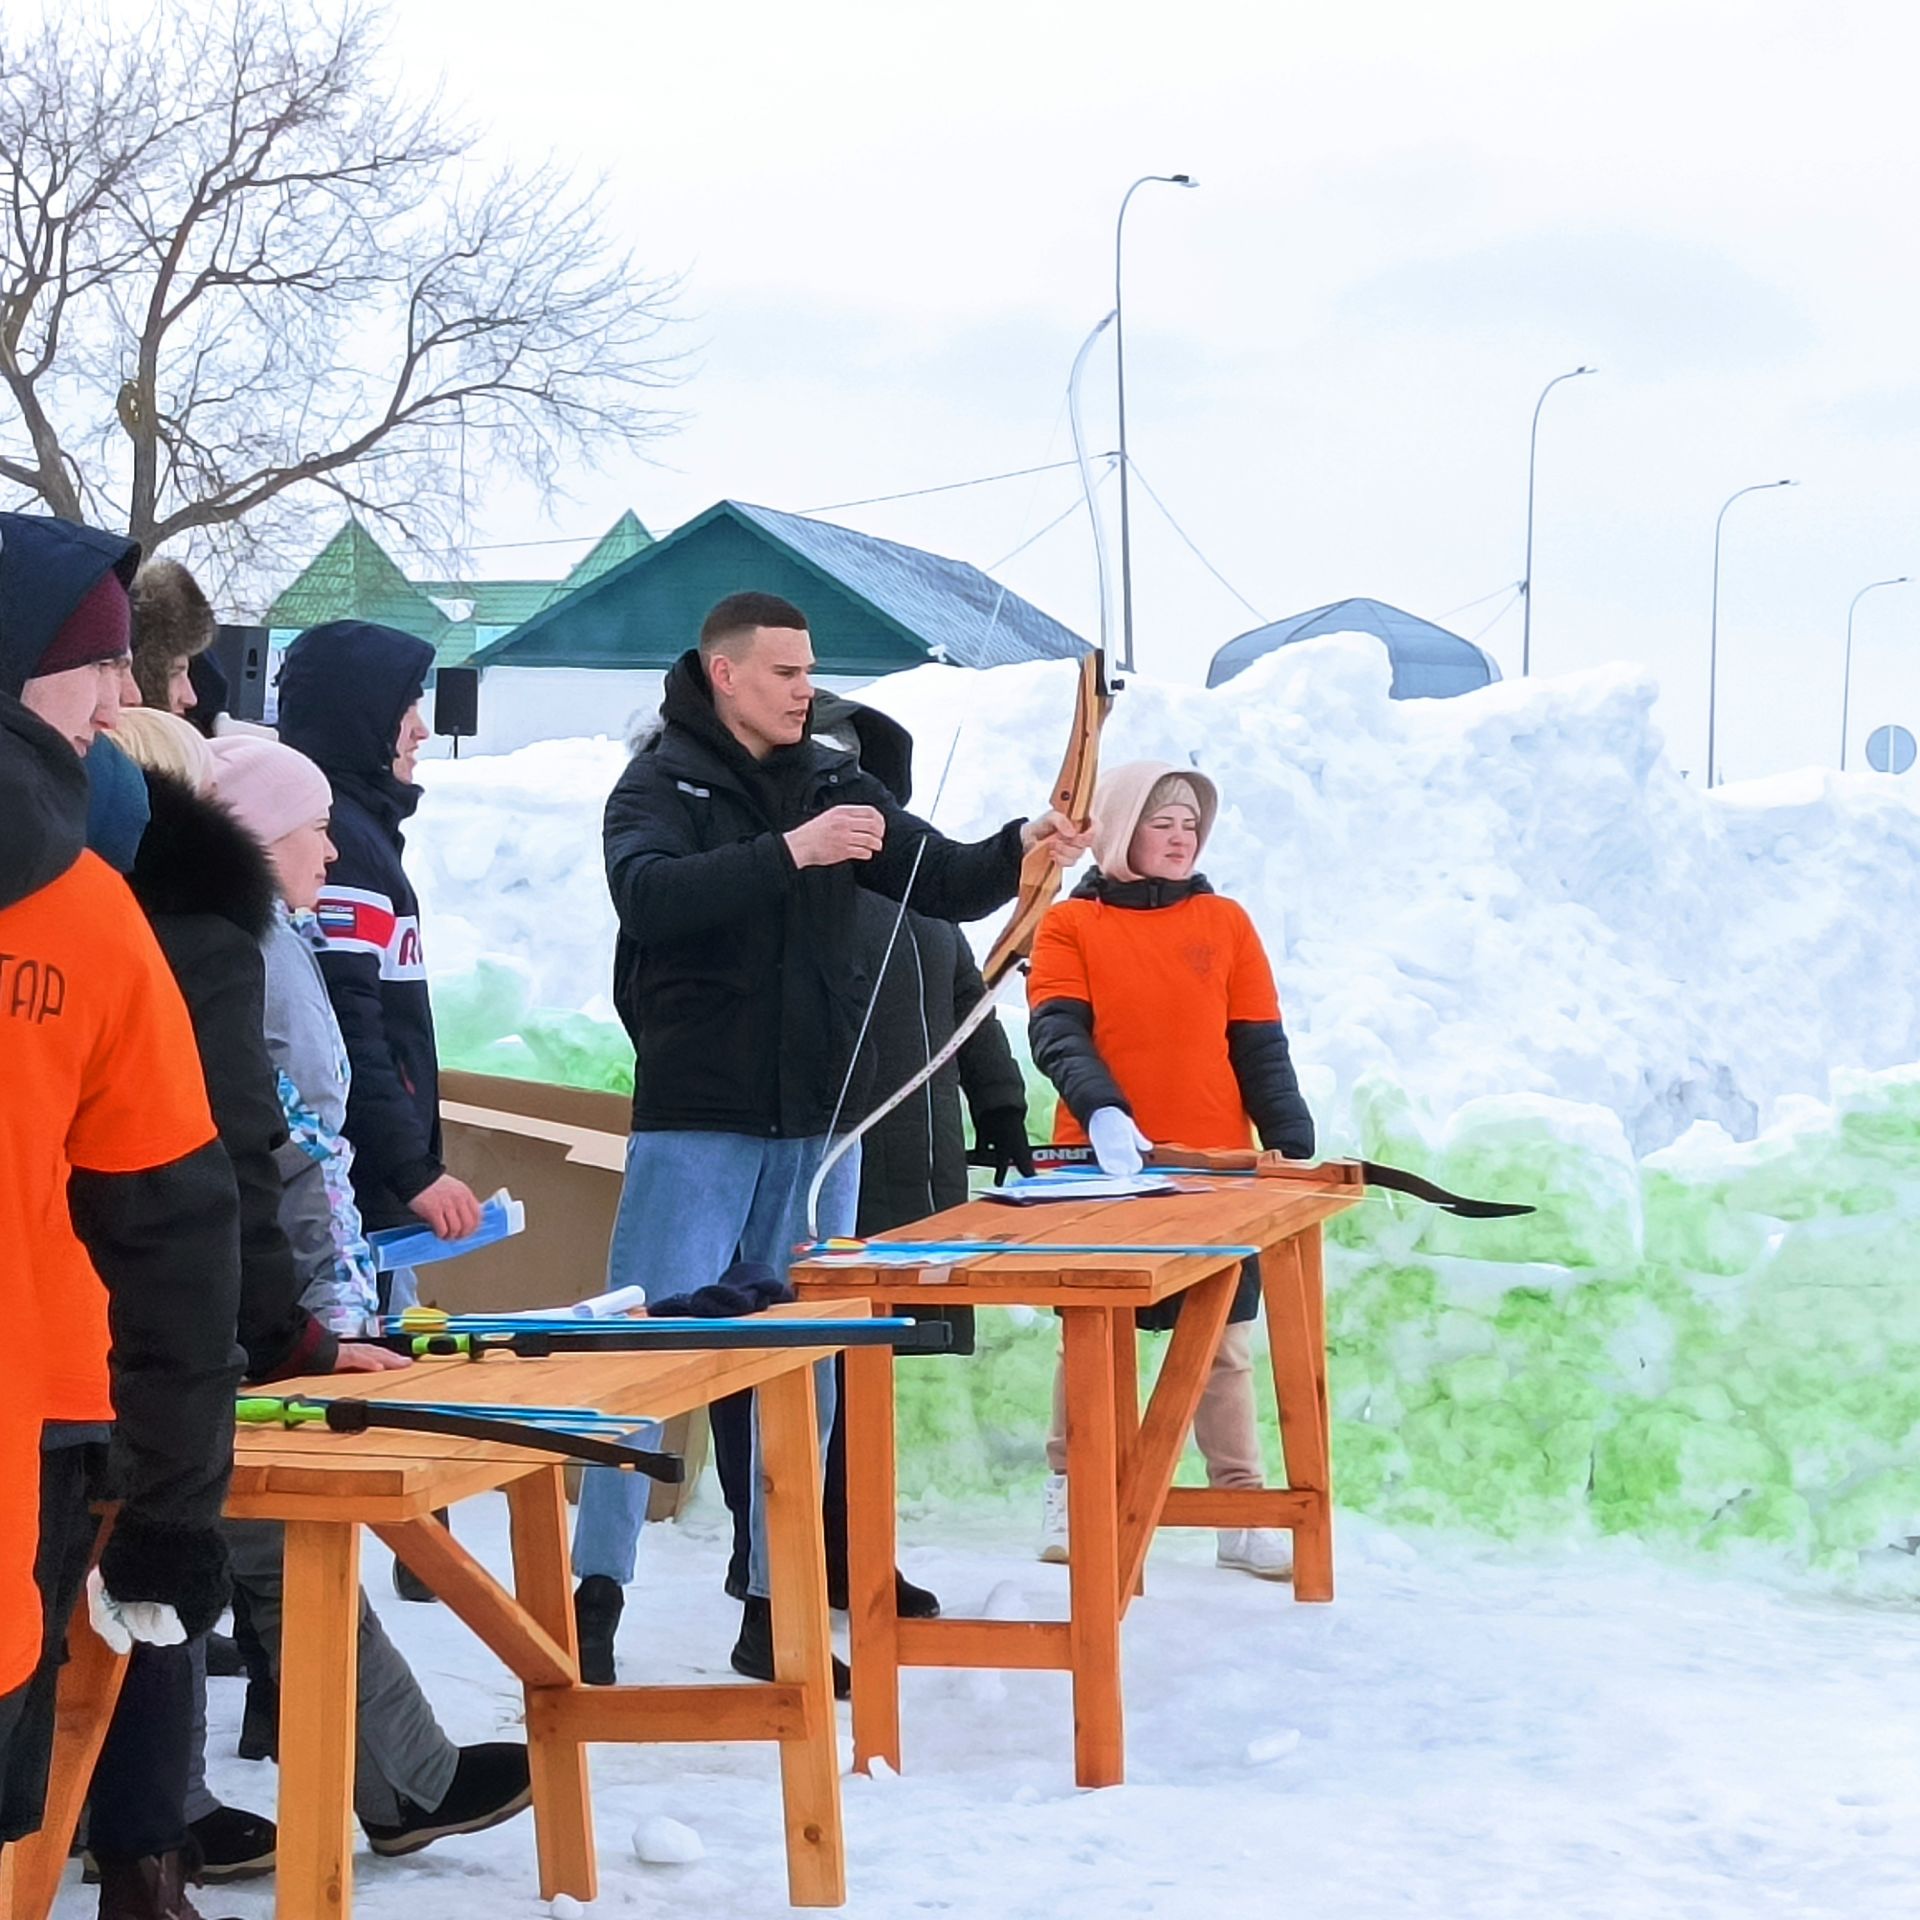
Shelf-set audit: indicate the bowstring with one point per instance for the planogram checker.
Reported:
(829, 1156)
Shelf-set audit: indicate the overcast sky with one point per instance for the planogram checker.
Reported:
(896, 226)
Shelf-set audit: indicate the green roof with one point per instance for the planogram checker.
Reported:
(490, 603)
(621, 541)
(354, 578)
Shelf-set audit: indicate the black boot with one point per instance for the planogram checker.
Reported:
(151, 1888)
(909, 1602)
(260, 1721)
(223, 1658)
(491, 1784)
(753, 1651)
(597, 1604)
(408, 1584)
(230, 1844)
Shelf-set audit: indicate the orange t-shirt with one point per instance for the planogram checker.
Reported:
(1163, 982)
(98, 1069)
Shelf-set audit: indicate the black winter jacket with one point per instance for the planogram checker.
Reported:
(739, 977)
(914, 1162)
(343, 692)
(162, 1239)
(208, 893)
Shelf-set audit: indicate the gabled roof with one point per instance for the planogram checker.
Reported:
(354, 578)
(957, 612)
(621, 541)
(927, 606)
(1429, 663)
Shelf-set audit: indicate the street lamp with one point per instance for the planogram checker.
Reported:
(1846, 676)
(1526, 585)
(1713, 644)
(1120, 375)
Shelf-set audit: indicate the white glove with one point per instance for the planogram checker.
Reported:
(121, 1622)
(1117, 1143)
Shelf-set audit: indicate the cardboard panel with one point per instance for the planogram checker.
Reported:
(561, 1151)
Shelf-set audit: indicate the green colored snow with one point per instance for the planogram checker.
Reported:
(1715, 1349)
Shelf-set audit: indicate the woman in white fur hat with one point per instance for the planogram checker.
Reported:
(1154, 1014)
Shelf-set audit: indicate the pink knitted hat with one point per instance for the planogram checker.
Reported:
(269, 788)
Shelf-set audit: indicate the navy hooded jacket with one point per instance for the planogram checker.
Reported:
(46, 569)
(344, 689)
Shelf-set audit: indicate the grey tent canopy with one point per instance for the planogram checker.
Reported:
(1429, 663)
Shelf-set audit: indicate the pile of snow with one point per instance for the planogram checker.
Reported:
(1514, 891)
(1517, 951)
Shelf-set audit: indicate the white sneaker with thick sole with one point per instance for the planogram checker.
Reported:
(1264, 1552)
(1053, 1521)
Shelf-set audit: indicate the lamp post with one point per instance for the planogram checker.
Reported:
(1120, 376)
(1713, 643)
(1526, 585)
(1846, 676)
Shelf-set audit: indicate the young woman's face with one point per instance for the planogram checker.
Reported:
(301, 859)
(1166, 843)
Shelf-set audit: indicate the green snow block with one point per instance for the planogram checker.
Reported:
(1694, 1226)
(1660, 1472)
(1478, 1380)
(1772, 1516)
(1572, 1163)
(1883, 1511)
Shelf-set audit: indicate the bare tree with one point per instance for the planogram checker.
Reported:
(244, 278)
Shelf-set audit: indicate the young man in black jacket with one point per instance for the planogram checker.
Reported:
(736, 849)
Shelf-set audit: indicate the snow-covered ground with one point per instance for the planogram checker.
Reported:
(1457, 1735)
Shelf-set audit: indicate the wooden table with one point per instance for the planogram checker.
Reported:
(324, 1487)
(1120, 1462)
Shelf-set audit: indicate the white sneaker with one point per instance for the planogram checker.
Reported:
(1053, 1521)
(1264, 1552)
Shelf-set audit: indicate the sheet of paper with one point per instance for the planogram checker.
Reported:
(1046, 1187)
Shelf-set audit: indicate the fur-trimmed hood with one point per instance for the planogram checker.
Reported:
(196, 858)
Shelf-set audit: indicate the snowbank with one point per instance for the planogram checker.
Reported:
(1516, 948)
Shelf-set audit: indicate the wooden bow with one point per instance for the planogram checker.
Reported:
(1071, 796)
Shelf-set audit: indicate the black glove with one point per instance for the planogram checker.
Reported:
(1000, 1140)
(184, 1568)
(747, 1286)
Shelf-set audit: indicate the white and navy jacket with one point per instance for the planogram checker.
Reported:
(343, 691)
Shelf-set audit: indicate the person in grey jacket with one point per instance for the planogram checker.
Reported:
(412, 1785)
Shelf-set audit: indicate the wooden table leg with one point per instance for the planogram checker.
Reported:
(562, 1805)
(319, 1673)
(873, 1621)
(83, 1709)
(802, 1650)
(1126, 1407)
(1300, 1387)
(1093, 1547)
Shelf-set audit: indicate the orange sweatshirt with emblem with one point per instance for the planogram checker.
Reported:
(1158, 997)
(101, 1075)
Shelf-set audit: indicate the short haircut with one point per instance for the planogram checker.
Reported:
(171, 621)
(739, 614)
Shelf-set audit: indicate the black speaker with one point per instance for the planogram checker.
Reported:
(456, 701)
(242, 654)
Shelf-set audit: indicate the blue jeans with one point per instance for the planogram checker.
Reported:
(691, 1205)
